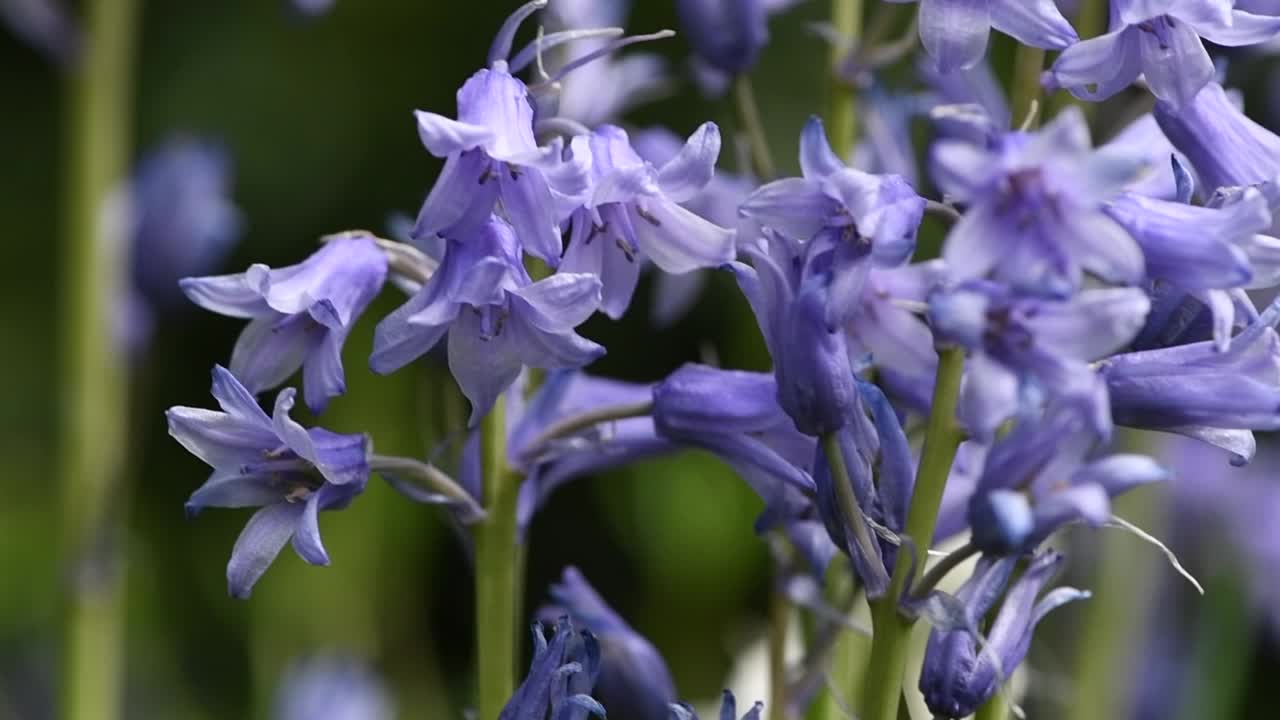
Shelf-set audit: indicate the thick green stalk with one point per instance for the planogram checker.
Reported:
(94, 385)
(842, 117)
(1025, 90)
(496, 569)
(882, 691)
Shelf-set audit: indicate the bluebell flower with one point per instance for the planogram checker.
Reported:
(633, 675)
(1040, 477)
(962, 670)
(182, 220)
(1200, 391)
(563, 396)
(1225, 147)
(954, 32)
(865, 216)
(1160, 41)
(46, 26)
(881, 475)
(1034, 214)
(633, 212)
(560, 679)
(272, 462)
(1014, 340)
(299, 315)
(1205, 250)
(728, 710)
(498, 320)
(313, 7)
(728, 35)
(603, 90)
(492, 159)
(333, 687)
(717, 202)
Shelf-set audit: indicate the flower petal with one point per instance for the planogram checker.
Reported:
(230, 295)
(1097, 68)
(688, 173)
(484, 368)
(954, 32)
(817, 159)
(259, 544)
(677, 240)
(1175, 62)
(795, 207)
(1037, 23)
(273, 347)
(442, 136)
(531, 210)
(306, 536)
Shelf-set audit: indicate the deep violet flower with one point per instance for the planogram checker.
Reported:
(633, 675)
(299, 316)
(498, 320)
(954, 32)
(561, 677)
(633, 212)
(273, 462)
(963, 670)
(728, 710)
(1160, 41)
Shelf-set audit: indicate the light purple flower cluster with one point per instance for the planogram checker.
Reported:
(1077, 288)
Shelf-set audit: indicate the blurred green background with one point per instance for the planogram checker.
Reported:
(316, 114)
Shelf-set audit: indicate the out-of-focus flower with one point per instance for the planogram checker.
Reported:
(1200, 391)
(1015, 340)
(963, 670)
(633, 676)
(954, 32)
(1040, 477)
(1160, 41)
(299, 316)
(273, 462)
(498, 320)
(728, 35)
(313, 7)
(632, 213)
(1034, 218)
(560, 679)
(44, 25)
(1225, 147)
(332, 687)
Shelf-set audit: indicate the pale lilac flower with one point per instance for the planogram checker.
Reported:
(333, 687)
(273, 462)
(955, 32)
(1225, 147)
(299, 315)
(1159, 40)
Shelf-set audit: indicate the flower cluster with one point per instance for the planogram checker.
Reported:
(1077, 288)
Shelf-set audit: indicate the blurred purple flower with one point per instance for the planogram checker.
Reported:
(632, 212)
(961, 669)
(332, 687)
(1160, 41)
(299, 315)
(885, 331)
(728, 710)
(273, 462)
(633, 676)
(1034, 217)
(313, 7)
(728, 35)
(46, 26)
(955, 32)
(498, 320)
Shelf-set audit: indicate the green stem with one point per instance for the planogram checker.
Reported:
(842, 118)
(930, 579)
(779, 620)
(94, 384)
(496, 569)
(582, 421)
(753, 126)
(1025, 92)
(844, 495)
(883, 689)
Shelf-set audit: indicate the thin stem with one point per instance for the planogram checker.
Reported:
(577, 423)
(1090, 22)
(935, 574)
(496, 569)
(883, 688)
(842, 118)
(94, 373)
(779, 620)
(1024, 94)
(430, 477)
(849, 507)
(942, 211)
(749, 116)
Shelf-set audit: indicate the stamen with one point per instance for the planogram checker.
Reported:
(533, 50)
(501, 47)
(601, 52)
(648, 217)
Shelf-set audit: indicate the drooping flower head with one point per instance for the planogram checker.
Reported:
(632, 213)
(1034, 215)
(1160, 41)
(498, 320)
(299, 316)
(633, 674)
(955, 32)
(273, 462)
(963, 670)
